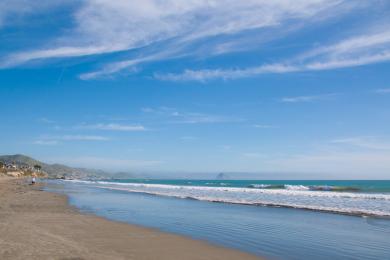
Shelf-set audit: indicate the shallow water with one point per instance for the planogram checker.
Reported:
(353, 198)
(280, 233)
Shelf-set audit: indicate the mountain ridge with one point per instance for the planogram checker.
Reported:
(57, 170)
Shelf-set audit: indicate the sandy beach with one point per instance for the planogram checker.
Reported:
(35, 224)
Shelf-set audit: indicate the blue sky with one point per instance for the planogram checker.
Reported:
(282, 89)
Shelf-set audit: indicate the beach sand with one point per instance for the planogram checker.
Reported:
(36, 224)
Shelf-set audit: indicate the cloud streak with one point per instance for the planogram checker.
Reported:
(265, 126)
(178, 117)
(169, 29)
(303, 99)
(369, 142)
(54, 140)
(370, 48)
(114, 127)
(46, 142)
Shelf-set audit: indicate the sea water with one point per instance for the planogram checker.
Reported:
(267, 218)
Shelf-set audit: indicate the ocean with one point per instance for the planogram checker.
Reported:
(275, 219)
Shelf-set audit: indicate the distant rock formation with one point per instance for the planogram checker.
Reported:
(222, 176)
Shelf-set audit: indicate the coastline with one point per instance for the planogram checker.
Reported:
(36, 224)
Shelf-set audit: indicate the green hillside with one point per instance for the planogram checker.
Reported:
(54, 170)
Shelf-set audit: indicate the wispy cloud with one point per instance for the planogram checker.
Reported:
(45, 142)
(299, 99)
(264, 126)
(199, 118)
(62, 52)
(371, 47)
(114, 127)
(54, 140)
(129, 65)
(369, 142)
(172, 115)
(204, 75)
(83, 138)
(178, 27)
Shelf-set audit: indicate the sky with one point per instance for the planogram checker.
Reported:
(274, 89)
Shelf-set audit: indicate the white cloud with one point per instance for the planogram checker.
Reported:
(203, 75)
(370, 142)
(158, 30)
(175, 26)
(130, 65)
(346, 62)
(61, 52)
(199, 118)
(300, 99)
(49, 138)
(264, 126)
(114, 127)
(83, 138)
(178, 117)
(369, 48)
(45, 142)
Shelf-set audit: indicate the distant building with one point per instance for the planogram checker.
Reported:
(11, 166)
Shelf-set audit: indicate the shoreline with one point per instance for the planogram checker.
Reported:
(330, 210)
(36, 224)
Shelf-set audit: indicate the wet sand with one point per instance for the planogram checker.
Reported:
(35, 224)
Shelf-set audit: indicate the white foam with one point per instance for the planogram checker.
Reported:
(298, 197)
(296, 187)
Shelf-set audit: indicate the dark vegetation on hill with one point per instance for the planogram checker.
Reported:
(59, 170)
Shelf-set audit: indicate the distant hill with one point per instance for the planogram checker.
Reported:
(59, 170)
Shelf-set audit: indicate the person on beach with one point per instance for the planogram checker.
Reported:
(33, 180)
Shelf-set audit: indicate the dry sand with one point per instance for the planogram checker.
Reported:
(35, 224)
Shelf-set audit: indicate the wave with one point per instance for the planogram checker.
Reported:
(266, 186)
(371, 204)
(303, 187)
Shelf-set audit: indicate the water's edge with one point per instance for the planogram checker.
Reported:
(271, 231)
(48, 188)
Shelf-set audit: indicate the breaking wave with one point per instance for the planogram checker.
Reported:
(303, 187)
(295, 196)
